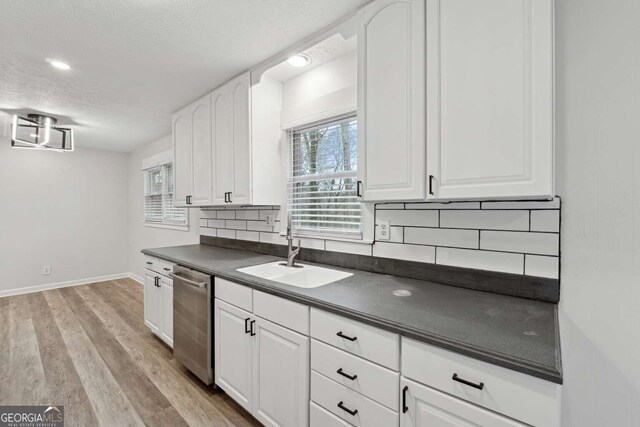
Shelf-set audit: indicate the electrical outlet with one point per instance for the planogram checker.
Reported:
(271, 219)
(383, 229)
(46, 270)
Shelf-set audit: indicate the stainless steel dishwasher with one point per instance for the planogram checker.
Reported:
(192, 328)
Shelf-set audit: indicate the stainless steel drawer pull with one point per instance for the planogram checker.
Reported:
(187, 281)
(455, 377)
(166, 268)
(344, 408)
(149, 263)
(341, 335)
(351, 377)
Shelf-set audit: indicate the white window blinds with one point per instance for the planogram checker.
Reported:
(158, 197)
(322, 180)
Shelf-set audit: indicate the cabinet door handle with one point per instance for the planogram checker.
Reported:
(455, 377)
(344, 408)
(405, 408)
(251, 327)
(230, 196)
(226, 197)
(246, 325)
(344, 374)
(346, 337)
(358, 186)
(431, 185)
(157, 281)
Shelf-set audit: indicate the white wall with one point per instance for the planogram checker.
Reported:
(598, 164)
(140, 235)
(66, 210)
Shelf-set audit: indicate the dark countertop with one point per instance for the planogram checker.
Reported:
(515, 333)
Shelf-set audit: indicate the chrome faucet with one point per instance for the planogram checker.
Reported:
(291, 257)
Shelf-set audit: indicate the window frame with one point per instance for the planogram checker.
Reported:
(160, 161)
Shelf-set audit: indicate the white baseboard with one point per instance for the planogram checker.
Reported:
(38, 288)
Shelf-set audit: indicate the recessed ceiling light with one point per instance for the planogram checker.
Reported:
(60, 65)
(299, 60)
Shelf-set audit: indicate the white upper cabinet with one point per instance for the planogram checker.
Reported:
(182, 152)
(490, 99)
(391, 91)
(217, 161)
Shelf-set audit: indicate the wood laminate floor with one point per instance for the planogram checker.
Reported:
(87, 348)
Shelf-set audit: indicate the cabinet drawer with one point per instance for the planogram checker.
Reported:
(233, 293)
(320, 417)
(366, 341)
(158, 265)
(329, 394)
(523, 397)
(374, 381)
(281, 311)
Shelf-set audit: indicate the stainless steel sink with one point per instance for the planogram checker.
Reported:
(302, 276)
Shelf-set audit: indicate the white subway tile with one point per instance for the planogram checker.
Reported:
(442, 237)
(259, 226)
(211, 232)
(405, 252)
(264, 213)
(397, 234)
(348, 247)
(488, 220)
(248, 214)
(385, 206)
(203, 222)
(482, 260)
(236, 225)
(547, 220)
(541, 266)
(208, 214)
(275, 238)
(248, 235)
(418, 218)
(452, 205)
(527, 242)
(311, 243)
(226, 215)
(227, 234)
(216, 223)
(550, 204)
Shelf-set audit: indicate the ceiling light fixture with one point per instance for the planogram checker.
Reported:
(41, 132)
(299, 60)
(59, 64)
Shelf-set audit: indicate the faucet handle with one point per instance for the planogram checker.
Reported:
(298, 248)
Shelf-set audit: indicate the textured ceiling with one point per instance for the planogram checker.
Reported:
(135, 61)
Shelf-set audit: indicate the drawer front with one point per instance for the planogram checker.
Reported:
(278, 310)
(522, 397)
(374, 381)
(329, 394)
(366, 341)
(234, 294)
(158, 265)
(320, 417)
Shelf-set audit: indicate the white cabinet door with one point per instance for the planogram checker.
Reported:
(166, 330)
(281, 376)
(152, 306)
(391, 97)
(240, 128)
(222, 143)
(201, 194)
(182, 155)
(233, 349)
(427, 407)
(490, 98)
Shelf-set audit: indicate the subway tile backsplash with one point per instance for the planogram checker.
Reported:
(513, 237)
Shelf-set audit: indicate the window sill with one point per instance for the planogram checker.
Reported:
(167, 226)
(334, 239)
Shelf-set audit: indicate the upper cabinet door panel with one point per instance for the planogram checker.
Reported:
(391, 54)
(241, 124)
(490, 98)
(201, 142)
(222, 143)
(181, 131)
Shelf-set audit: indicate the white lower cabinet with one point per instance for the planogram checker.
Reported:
(158, 298)
(426, 407)
(263, 364)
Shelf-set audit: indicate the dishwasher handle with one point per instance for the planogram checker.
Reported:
(188, 281)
